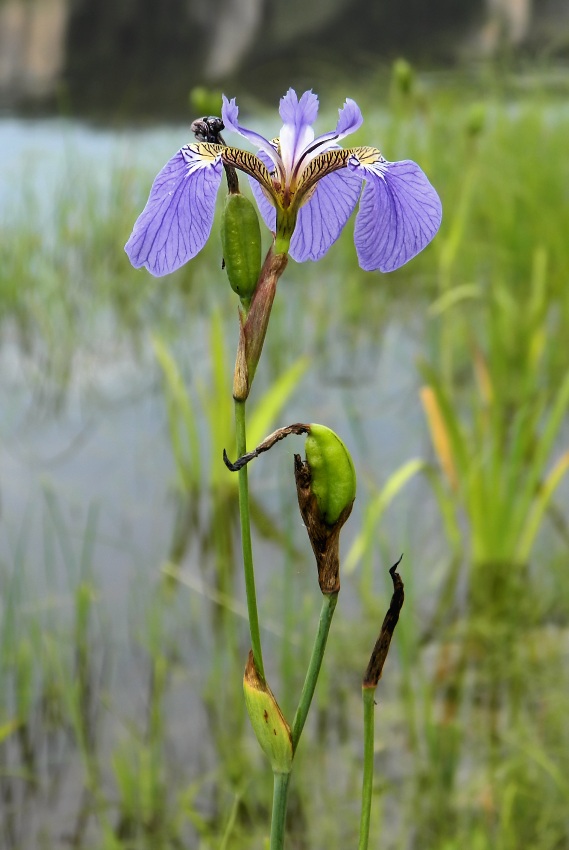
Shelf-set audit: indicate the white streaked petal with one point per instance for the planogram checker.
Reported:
(400, 212)
(296, 133)
(177, 219)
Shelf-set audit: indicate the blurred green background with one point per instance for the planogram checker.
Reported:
(122, 630)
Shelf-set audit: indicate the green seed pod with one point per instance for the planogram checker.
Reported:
(241, 242)
(268, 722)
(333, 477)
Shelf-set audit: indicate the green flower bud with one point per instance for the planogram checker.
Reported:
(241, 241)
(204, 101)
(333, 477)
(403, 76)
(326, 489)
(268, 722)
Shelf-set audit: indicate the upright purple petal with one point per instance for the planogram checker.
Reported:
(296, 133)
(304, 111)
(177, 219)
(350, 118)
(399, 214)
(230, 114)
(321, 220)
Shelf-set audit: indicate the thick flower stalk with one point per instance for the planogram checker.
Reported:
(306, 189)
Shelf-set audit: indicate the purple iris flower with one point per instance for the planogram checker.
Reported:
(306, 189)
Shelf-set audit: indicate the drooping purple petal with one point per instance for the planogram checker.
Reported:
(399, 214)
(296, 133)
(321, 220)
(230, 114)
(177, 219)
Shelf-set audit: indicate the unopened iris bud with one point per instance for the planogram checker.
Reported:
(326, 488)
(333, 477)
(241, 242)
(268, 722)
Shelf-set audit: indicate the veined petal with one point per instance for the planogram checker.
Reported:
(255, 165)
(331, 160)
(177, 219)
(303, 111)
(296, 133)
(266, 206)
(321, 220)
(349, 120)
(230, 113)
(399, 214)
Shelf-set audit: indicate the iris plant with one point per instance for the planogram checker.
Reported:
(306, 189)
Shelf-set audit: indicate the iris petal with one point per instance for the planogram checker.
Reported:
(296, 133)
(230, 114)
(266, 207)
(303, 111)
(177, 219)
(350, 118)
(400, 212)
(321, 220)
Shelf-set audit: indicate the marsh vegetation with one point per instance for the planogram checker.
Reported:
(122, 630)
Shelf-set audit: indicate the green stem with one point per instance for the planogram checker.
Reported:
(368, 695)
(241, 436)
(278, 819)
(328, 606)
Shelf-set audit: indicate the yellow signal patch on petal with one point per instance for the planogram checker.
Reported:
(206, 150)
(365, 155)
(249, 163)
(332, 160)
